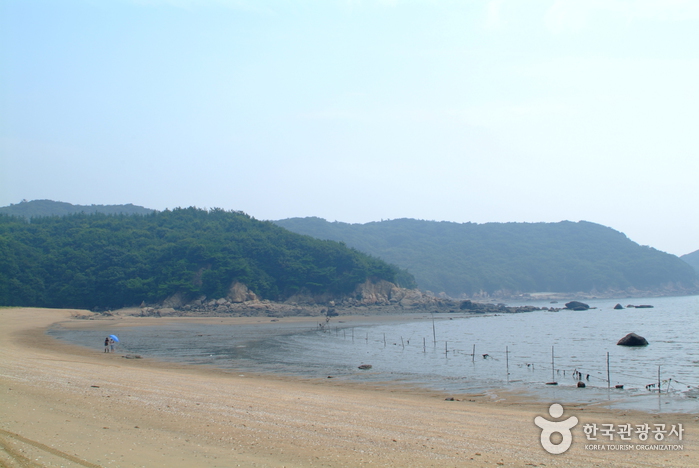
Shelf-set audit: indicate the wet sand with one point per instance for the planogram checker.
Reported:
(65, 405)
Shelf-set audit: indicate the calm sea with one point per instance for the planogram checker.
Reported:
(519, 352)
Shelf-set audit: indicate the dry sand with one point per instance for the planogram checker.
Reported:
(64, 405)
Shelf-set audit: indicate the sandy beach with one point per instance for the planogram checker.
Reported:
(65, 405)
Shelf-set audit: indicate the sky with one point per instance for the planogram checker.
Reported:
(360, 110)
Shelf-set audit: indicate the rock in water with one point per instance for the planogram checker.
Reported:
(575, 305)
(365, 366)
(633, 339)
(618, 307)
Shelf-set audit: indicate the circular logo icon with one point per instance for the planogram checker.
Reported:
(548, 428)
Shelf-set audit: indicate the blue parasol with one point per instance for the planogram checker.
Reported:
(114, 337)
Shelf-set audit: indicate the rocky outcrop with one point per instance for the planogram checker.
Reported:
(411, 298)
(238, 293)
(370, 297)
(376, 293)
(618, 307)
(372, 293)
(575, 305)
(632, 339)
(486, 308)
(175, 301)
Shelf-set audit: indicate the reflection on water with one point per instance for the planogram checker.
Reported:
(516, 351)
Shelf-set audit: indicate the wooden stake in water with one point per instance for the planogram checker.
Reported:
(659, 389)
(353, 335)
(424, 346)
(434, 332)
(473, 355)
(609, 383)
(553, 372)
(367, 337)
(507, 362)
(384, 340)
(446, 350)
(401, 342)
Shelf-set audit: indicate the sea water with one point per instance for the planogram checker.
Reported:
(461, 353)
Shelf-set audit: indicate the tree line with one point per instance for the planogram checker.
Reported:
(110, 261)
(469, 258)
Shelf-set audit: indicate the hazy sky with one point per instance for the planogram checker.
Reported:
(360, 110)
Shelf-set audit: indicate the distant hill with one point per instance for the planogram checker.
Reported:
(692, 259)
(110, 261)
(37, 208)
(506, 258)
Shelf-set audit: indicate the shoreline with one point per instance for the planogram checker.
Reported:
(108, 411)
(535, 392)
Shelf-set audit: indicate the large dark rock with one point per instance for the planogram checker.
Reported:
(633, 339)
(575, 305)
(618, 307)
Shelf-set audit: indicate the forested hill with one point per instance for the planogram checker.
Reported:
(110, 261)
(692, 259)
(509, 257)
(37, 208)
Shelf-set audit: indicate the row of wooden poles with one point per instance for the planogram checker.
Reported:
(507, 356)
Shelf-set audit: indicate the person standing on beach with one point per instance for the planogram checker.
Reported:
(106, 345)
(111, 345)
